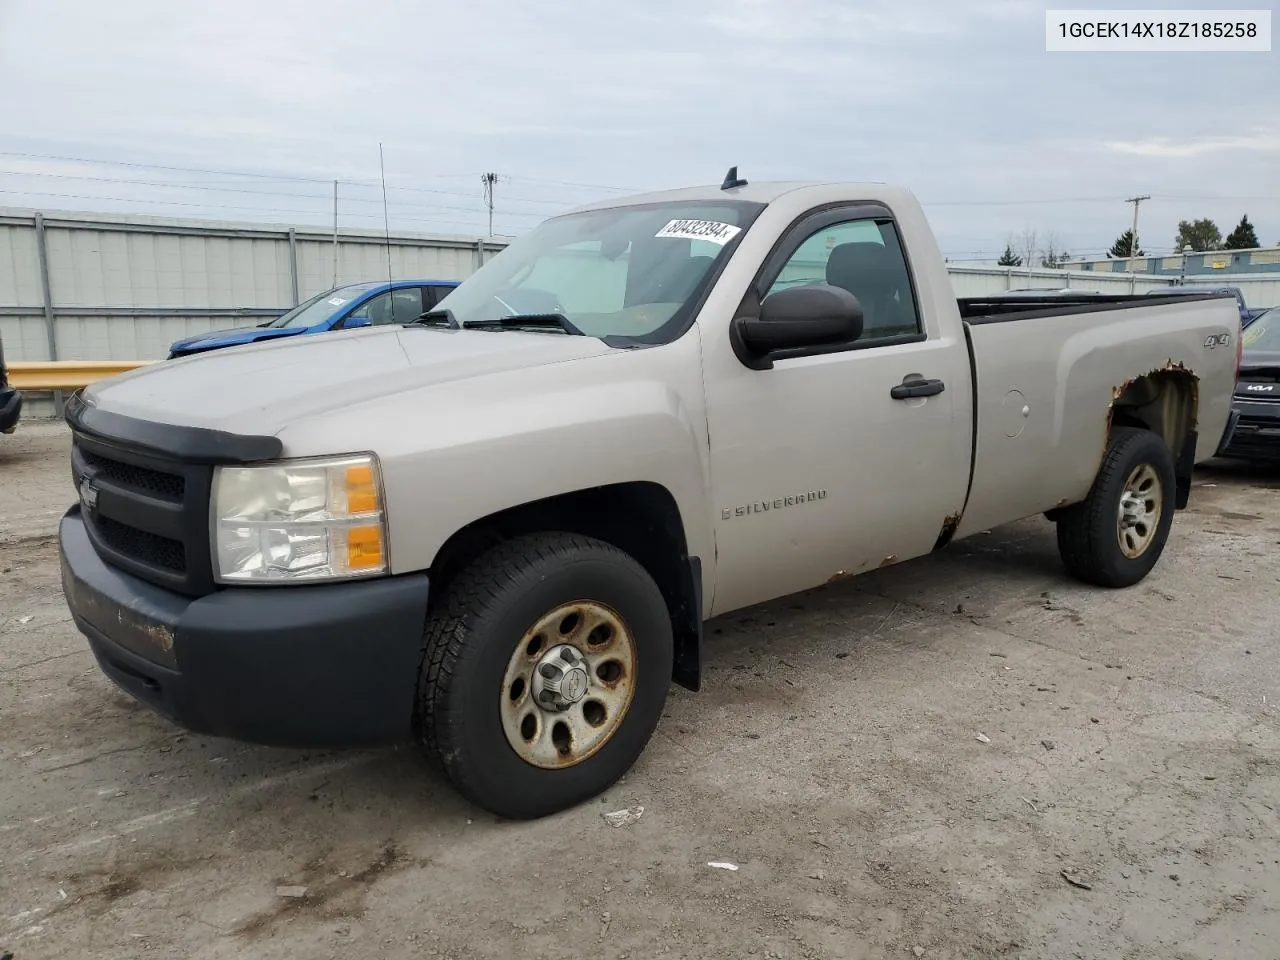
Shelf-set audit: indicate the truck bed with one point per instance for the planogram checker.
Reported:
(1048, 371)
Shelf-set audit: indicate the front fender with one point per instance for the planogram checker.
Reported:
(541, 447)
(462, 451)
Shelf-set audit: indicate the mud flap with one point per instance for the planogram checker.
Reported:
(1183, 470)
(687, 667)
(1228, 433)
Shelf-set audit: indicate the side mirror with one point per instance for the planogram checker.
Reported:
(814, 315)
(352, 322)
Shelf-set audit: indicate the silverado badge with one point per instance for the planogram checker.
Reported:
(778, 503)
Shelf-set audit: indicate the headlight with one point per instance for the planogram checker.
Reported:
(301, 521)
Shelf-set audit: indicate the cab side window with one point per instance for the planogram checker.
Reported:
(864, 257)
(394, 306)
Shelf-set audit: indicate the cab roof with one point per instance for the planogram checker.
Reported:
(765, 192)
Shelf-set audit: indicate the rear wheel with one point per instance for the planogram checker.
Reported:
(1114, 537)
(545, 672)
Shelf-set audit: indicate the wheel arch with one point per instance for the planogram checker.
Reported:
(1166, 402)
(640, 518)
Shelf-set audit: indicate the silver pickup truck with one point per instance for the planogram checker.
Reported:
(499, 529)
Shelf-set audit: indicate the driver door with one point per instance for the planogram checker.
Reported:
(817, 470)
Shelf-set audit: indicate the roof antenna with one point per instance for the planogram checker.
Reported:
(731, 180)
(386, 223)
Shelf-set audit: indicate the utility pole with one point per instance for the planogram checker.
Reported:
(1133, 237)
(489, 179)
(335, 233)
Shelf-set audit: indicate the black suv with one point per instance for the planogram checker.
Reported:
(10, 399)
(1257, 400)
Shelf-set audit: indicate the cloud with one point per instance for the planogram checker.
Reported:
(1259, 141)
(958, 101)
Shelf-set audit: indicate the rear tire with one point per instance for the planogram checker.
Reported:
(1114, 537)
(545, 671)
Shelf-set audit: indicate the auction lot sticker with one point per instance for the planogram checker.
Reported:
(712, 230)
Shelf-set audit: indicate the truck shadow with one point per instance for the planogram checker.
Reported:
(1238, 473)
(1014, 564)
(12, 455)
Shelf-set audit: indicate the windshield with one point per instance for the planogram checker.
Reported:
(1263, 333)
(624, 273)
(321, 306)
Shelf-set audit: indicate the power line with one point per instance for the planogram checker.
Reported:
(106, 198)
(286, 177)
(373, 184)
(162, 166)
(223, 188)
(572, 183)
(314, 213)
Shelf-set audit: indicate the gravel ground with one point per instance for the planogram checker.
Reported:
(910, 763)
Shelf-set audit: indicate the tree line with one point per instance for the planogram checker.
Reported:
(1027, 247)
(1199, 236)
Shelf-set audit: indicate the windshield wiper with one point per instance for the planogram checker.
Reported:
(527, 321)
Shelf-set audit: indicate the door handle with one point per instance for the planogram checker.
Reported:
(917, 388)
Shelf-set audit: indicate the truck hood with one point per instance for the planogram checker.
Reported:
(262, 388)
(232, 338)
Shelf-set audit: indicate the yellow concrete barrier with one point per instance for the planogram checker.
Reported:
(66, 374)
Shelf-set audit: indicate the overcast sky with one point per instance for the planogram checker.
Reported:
(571, 101)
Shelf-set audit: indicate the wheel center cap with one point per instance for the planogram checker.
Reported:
(560, 679)
(574, 684)
(1133, 510)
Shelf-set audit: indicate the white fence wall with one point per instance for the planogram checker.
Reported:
(124, 288)
(984, 281)
(1260, 289)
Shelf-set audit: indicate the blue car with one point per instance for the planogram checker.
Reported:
(342, 308)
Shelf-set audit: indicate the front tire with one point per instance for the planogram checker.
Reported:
(1114, 537)
(545, 672)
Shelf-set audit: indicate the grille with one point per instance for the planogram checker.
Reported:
(143, 546)
(155, 482)
(150, 513)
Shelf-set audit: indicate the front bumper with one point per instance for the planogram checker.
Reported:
(10, 408)
(1254, 432)
(317, 666)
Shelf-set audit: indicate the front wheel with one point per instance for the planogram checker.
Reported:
(545, 672)
(1114, 537)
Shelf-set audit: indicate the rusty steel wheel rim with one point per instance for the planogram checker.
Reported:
(568, 684)
(1138, 516)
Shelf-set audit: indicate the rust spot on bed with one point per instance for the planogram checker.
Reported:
(889, 561)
